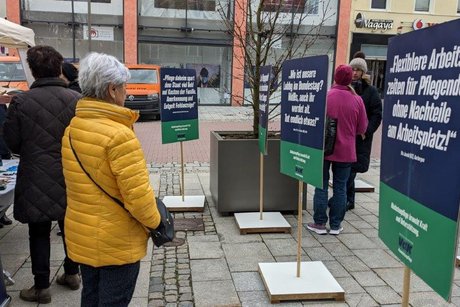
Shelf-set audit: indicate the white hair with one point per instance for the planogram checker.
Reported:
(98, 71)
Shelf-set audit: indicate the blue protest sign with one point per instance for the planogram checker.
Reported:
(179, 105)
(264, 97)
(420, 167)
(303, 109)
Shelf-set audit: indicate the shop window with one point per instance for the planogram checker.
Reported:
(379, 4)
(292, 6)
(422, 5)
(286, 6)
(196, 5)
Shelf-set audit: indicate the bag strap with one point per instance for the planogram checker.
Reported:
(89, 176)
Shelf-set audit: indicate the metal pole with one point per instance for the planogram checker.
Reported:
(182, 168)
(299, 228)
(73, 31)
(261, 189)
(89, 25)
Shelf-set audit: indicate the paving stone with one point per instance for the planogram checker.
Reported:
(337, 249)
(394, 277)
(185, 289)
(229, 233)
(360, 224)
(248, 281)
(156, 303)
(206, 238)
(336, 269)
(246, 256)
(356, 241)
(368, 279)
(377, 258)
(318, 253)
(186, 297)
(352, 263)
(223, 293)
(282, 247)
(350, 285)
(384, 295)
(209, 269)
(205, 250)
(360, 300)
(371, 233)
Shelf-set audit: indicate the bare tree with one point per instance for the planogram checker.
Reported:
(274, 31)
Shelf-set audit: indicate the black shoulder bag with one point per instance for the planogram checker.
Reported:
(329, 135)
(163, 233)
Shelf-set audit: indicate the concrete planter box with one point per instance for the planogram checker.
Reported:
(234, 176)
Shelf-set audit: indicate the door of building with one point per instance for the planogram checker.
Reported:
(376, 69)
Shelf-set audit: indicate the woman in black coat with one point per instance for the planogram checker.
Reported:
(34, 127)
(373, 104)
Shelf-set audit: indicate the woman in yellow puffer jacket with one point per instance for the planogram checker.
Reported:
(108, 241)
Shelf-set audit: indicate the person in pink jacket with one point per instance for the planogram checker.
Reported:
(348, 108)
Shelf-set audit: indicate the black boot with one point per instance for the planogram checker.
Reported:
(350, 206)
(5, 221)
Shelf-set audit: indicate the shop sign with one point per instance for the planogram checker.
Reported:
(99, 33)
(420, 24)
(374, 24)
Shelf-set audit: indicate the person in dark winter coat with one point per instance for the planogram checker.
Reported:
(362, 85)
(4, 154)
(70, 74)
(34, 127)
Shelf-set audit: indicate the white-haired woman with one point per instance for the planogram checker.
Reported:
(102, 158)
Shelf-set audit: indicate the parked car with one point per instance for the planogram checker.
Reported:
(12, 73)
(143, 90)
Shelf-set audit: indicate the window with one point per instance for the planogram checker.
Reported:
(284, 6)
(379, 4)
(309, 7)
(422, 5)
(458, 7)
(196, 5)
(312, 7)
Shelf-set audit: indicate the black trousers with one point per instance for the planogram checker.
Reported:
(109, 285)
(351, 188)
(40, 249)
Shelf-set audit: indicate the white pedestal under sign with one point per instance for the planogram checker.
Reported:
(271, 222)
(190, 203)
(315, 282)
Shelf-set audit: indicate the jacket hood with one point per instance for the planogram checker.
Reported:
(94, 108)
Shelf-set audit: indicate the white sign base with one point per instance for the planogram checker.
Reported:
(362, 186)
(190, 203)
(315, 282)
(250, 222)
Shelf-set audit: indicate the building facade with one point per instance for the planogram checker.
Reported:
(171, 33)
(373, 22)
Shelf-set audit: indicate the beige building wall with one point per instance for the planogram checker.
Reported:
(370, 29)
(403, 15)
(2, 9)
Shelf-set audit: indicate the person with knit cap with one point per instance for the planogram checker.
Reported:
(373, 104)
(347, 108)
(70, 74)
